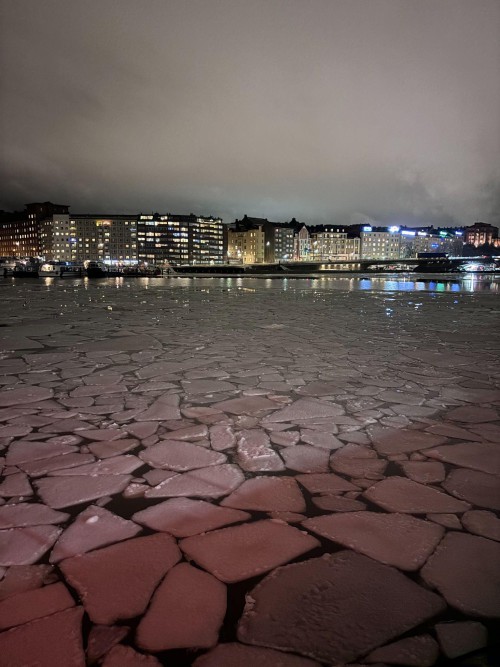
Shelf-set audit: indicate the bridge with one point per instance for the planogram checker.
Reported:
(416, 264)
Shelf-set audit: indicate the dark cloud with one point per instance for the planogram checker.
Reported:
(323, 110)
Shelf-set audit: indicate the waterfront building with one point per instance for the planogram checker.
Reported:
(481, 233)
(181, 239)
(334, 244)
(380, 243)
(415, 241)
(21, 232)
(302, 245)
(18, 236)
(258, 240)
(109, 238)
(55, 237)
(246, 246)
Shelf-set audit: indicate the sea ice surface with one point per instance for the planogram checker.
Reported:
(418, 651)
(398, 494)
(380, 536)
(483, 456)
(117, 582)
(241, 552)
(67, 491)
(461, 637)
(45, 642)
(239, 655)
(340, 592)
(186, 611)
(180, 456)
(475, 487)
(212, 482)
(183, 517)
(478, 590)
(28, 606)
(93, 528)
(29, 514)
(267, 494)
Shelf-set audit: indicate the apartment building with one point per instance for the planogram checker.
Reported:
(181, 239)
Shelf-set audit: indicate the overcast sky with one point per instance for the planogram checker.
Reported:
(326, 110)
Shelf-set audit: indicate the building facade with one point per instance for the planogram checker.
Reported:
(258, 240)
(331, 244)
(481, 233)
(110, 238)
(380, 244)
(246, 246)
(181, 239)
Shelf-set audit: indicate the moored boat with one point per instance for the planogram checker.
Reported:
(7, 266)
(95, 269)
(56, 269)
(26, 268)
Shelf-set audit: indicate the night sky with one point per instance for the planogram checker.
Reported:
(326, 110)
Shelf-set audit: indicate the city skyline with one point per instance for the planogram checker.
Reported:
(329, 112)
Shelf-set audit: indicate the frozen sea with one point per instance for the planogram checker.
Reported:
(243, 472)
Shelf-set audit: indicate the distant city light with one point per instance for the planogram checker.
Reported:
(443, 234)
(367, 228)
(406, 232)
(422, 233)
(459, 233)
(394, 229)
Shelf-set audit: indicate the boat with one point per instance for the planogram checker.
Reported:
(26, 268)
(55, 269)
(95, 268)
(7, 266)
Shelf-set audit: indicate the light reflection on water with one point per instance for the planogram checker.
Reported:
(464, 283)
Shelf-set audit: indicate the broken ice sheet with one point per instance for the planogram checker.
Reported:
(117, 582)
(380, 536)
(460, 638)
(93, 528)
(305, 408)
(20, 578)
(24, 395)
(60, 492)
(24, 452)
(29, 605)
(483, 456)
(183, 517)
(357, 461)
(398, 440)
(29, 514)
(45, 642)
(477, 592)
(102, 638)
(212, 482)
(398, 494)
(474, 486)
(267, 494)
(482, 523)
(239, 655)
(25, 546)
(125, 656)
(186, 611)
(180, 456)
(15, 485)
(418, 651)
(303, 458)
(241, 552)
(312, 607)
(116, 465)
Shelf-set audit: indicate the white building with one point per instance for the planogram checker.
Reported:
(380, 244)
(333, 245)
